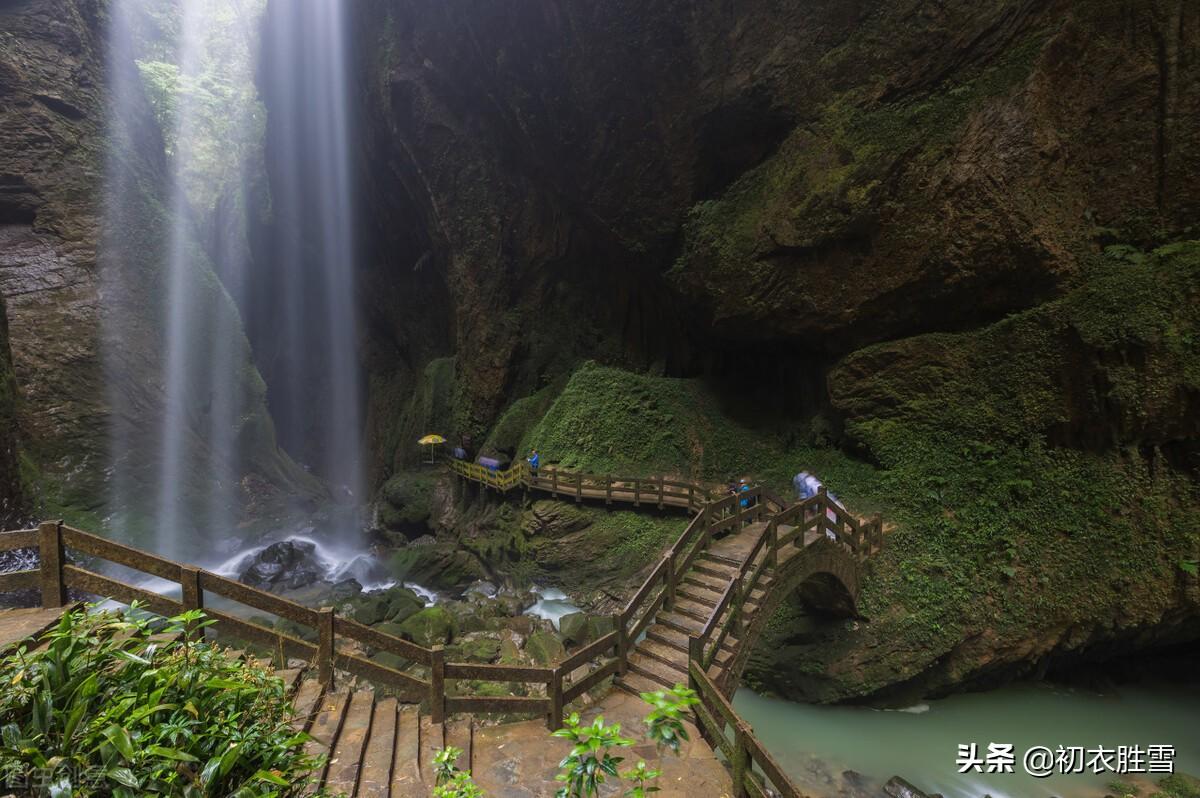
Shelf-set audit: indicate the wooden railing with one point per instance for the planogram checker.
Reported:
(752, 766)
(609, 655)
(57, 572)
(819, 513)
(652, 491)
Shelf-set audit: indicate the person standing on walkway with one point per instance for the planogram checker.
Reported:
(535, 461)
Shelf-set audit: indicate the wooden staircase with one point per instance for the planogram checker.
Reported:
(376, 747)
(660, 659)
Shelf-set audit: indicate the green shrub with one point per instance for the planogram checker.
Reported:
(107, 708)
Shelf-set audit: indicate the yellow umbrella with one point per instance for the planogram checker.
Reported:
(431, 441)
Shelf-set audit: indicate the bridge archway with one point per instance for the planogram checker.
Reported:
(825, 574)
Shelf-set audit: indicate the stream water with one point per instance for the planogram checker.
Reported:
(817, 744)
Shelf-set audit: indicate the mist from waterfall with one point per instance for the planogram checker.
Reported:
(190, 439)
(304, 73)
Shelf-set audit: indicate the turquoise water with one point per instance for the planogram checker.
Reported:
(815, 744)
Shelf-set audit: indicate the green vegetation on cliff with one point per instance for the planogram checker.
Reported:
(610, 421)
(1031, 470)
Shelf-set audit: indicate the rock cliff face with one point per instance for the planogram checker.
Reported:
(838, 205)
(51, 161)
(81, 277)
(656, 184)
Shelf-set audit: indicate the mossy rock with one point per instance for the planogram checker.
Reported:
(545, 647)
(403, 603)
(431, 626)
(600, 625)
(574, 628)
(371, 610)
(406, 501)
(553, 519)
(391, 628)
(294, 629)
(390, 660)
(480, 649)
(509, 653)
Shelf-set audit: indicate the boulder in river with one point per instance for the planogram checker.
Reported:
(897, 787)
(574, 628)
(286, 565)
(431, 626)
(346, 589)
(545, 647)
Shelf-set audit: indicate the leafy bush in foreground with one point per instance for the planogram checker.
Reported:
(108, 708)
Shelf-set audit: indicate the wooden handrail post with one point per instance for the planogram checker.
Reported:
(740, 763)
(773, 544)
(554, 481)
(578, 487)
(608, 482)
(669, 602)
(696, 655)
(622, 643)
(691, 495)
(51, 555)
(325, 646)
(637, 491)
(554, 718)
(192, 596)
(437, 685)
(661, 490)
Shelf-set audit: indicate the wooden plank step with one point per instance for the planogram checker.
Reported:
(711, 584)
(636, 684)
(305, 706)
(696, 612)
(709, 569)
(692, 609)
(331, 711)
(692, 593)
(680, 623)
(26, 625)
(721, 559)
(375, 779)
(659, 682)
(406, 769)
(290, 677)
(433, 739)
(673, 638)
(461, 734)
(346, 757)
(666, 675)
(667, 654)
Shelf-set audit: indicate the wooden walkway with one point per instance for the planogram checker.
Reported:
(378, 748)
(18, 625)
(692, 621)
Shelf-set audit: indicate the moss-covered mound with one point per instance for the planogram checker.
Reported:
(1040, 474)
(611, 421)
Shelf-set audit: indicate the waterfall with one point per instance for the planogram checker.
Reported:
(305, 81)
(189, 421)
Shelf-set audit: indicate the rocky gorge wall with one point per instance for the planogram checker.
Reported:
(827, 212)
(669, 186)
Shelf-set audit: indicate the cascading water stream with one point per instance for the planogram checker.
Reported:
(306, 78)
(180, 479)
(182, 368)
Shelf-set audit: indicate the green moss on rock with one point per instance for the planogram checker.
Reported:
(431, 626)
